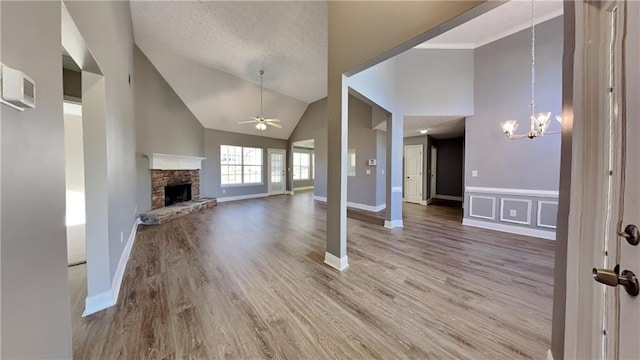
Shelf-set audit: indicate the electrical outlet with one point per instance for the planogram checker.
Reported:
(121, 236)
(512, 212)
(368, 172)
(474, 173)
(224, 191)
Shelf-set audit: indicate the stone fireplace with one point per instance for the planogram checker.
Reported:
(169, 171)
(161, 180)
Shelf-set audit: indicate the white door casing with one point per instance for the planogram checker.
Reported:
(276, 162)
(413, 173)
(603, 322)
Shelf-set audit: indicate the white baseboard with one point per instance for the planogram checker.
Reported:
(449, 197)
(336, 262)
(549, 355)
(109, 298)
(512, 229)
(320, 198)
(241, 197)
(303, 188)
(288, 192)
(366, 207)
(425, 202)
(355, 205)
(393, 224)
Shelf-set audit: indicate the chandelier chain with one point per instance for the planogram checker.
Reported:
(533, 59)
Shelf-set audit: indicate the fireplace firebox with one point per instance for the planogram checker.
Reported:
(177, 193)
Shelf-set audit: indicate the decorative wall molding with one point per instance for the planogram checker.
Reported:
(480, 216)
(336, 262)
(539, 215)
(513, 229)
(507, 219)
(174, 162)
(241, 197)
(507, 191)
(109, 298)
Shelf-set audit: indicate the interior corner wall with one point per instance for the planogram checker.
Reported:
(210, 181)
(502, 91)
(313, 125)
(113, 51)
(361, 189)
(164, 124)
(381, 166)
(35, 308)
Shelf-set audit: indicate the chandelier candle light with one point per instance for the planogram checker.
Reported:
(540, 121)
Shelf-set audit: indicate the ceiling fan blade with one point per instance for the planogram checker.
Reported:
(254, 118)
(272, 120)
(272, 124)
(248, 122)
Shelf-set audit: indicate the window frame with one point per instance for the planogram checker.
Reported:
(309, 165)
(242, 166)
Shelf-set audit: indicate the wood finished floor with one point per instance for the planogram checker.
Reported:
(246, 280)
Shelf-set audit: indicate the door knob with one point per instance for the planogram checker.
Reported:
(609, 277)
(632, 234)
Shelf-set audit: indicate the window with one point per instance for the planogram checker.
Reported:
(301, 166)
(240, 165)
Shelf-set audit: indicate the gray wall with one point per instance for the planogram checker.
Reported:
(35, 316)
(449, 166)
(425, 141)
(361, 189)
(210, 174)
(313, 125)
(435, 82)
(502, 92)
(113, 50)
(164, 124)
(302, 183)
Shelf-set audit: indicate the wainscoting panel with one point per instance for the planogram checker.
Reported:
(547, 212)
(482, 207)
(523, 211)
(516, 211)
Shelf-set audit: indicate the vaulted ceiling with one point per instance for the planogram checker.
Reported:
(210, 53)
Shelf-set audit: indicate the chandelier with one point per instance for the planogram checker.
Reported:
(540, 121)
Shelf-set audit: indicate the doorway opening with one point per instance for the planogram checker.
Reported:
(303, 165)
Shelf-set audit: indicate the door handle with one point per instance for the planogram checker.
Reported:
(632, 234)
(609, 277)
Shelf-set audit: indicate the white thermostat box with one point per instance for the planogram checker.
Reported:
(17, 88)
(371, 162)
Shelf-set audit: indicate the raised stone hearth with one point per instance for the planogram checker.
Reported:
(164, 214)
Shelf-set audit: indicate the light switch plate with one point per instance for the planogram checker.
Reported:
(368, 172)
(474, 173)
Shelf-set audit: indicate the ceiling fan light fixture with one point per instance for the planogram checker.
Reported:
(424, 131)
(261, 126)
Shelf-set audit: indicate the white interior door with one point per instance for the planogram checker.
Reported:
(434, 166)
(413, 173)
(277, 172)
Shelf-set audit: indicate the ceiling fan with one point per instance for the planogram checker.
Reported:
(260, 121)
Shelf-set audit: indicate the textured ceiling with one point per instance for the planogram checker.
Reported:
(288, 39)
(496, 24)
